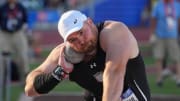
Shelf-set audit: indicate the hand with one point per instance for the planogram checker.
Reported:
(67, 66)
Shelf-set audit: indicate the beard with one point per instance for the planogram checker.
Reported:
(89, 47)
(90, 51)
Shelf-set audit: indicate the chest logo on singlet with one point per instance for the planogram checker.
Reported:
(92, 65)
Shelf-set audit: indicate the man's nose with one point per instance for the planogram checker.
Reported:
(81, 40)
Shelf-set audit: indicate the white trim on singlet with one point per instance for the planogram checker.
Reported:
(140, 91)
(94, 98)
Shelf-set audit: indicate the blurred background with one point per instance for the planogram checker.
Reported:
(42, 18)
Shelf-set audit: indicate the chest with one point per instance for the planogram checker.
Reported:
(95, 65)
(168, 10)
(15, 13)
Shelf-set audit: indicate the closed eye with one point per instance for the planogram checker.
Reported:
(72, 40)
(80, 32)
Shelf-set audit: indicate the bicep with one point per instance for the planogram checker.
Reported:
(116, 58)
(117, 47)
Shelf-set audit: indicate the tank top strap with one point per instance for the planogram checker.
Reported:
(99, 26)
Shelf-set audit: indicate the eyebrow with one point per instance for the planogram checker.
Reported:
(72, 37)
(80, 30)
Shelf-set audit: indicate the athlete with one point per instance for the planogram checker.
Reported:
(112, 68)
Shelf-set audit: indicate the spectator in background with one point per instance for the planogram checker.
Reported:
(165, 16)
(145, 15)
(76, 4)
(13, 24)
(33, 4)
(72, 4)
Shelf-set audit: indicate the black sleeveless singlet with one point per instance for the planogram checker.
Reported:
(84, 74)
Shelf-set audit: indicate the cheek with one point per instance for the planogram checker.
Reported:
(88, 36)
(76, 47)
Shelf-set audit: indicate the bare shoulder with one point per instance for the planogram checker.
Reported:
(117, 34)
(114, 24)
(113, 29)
(113, 32)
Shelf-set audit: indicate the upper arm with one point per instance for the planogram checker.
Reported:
(120, 45)
(117, 44)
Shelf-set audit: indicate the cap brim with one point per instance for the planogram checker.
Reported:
(77, 28)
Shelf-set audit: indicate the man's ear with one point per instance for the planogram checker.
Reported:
(89, 20)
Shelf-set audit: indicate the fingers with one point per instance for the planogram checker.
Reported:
(68, 67)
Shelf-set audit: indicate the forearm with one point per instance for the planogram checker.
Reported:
(42, 83)
(113, 86)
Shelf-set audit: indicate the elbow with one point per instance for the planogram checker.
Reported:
(29, 91)
(29, 86)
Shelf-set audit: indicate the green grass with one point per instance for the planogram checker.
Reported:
(16, 91)
(169, 86)
(148, 60)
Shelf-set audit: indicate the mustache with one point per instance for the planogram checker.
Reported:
(87, 47)
(90, 47)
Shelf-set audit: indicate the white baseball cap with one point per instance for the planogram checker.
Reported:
(70, 22)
